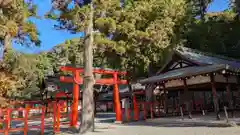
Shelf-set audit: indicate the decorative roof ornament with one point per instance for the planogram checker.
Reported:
(138, 86)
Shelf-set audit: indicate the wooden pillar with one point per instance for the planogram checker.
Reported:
(204, 100)
(179, 101)
(165, 99)
(117, 104)
(193, 102)
(229, 94)
(125, 108)
(149, 97)
(187, 99)
(237, 91)
(238, 83)
(135, 107)
(215, 98)
(75, 99)
(174, 105)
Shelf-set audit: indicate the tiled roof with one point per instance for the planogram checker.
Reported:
(206, 58)
(206, 63)
(184, 72)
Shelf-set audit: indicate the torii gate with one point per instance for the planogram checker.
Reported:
(78, 80)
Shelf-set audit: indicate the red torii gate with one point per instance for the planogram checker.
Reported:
(76, 79)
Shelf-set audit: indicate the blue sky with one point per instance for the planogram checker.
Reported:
(50, 37)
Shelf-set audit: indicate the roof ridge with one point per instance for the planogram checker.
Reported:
(207, 53)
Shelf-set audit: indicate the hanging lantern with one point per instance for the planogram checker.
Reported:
(224, 71)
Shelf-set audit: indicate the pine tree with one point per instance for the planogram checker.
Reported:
(128, 34)
(14, 24)
(87, 117)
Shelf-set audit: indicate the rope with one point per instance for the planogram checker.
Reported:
(76, 81)
(87, 77)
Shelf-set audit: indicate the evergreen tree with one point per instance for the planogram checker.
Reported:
(14, 25)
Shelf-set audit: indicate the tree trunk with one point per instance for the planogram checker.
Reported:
(87, 117)
(6, 45)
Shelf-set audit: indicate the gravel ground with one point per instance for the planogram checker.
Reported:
(163, 126)
(151, 130)
(108, 129)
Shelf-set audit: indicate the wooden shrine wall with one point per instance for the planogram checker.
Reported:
(220, 78)
(200, 79)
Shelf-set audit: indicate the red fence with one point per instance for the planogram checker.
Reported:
(59, 113)
(28, 114)
(8, 119)
(139, 107)
(155, 109)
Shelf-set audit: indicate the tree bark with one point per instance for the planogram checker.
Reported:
(87, 117)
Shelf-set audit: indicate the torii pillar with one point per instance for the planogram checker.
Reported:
(76, 90)
(78, 80)
(117, 104)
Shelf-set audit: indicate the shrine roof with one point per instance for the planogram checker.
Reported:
(203, 63)
(185, 72)
(200, 58)
(206, 58)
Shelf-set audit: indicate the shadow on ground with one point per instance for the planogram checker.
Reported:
(105, 117)
(208, 120)
(105, 121)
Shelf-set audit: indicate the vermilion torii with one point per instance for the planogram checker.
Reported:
(76, 79)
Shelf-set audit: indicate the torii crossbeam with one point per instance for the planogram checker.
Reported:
(76, 79)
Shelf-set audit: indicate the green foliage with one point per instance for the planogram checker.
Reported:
(29, 71)
(235, 6)
(199, 7)
(138, 33)
(219, 34)
(68, 52)
(14, 23)
(133, 36)
(8, 84)
(71, 53)
(128, 36)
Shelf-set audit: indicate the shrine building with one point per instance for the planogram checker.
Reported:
(196, 81)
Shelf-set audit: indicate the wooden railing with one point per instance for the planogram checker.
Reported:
(25, 115)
